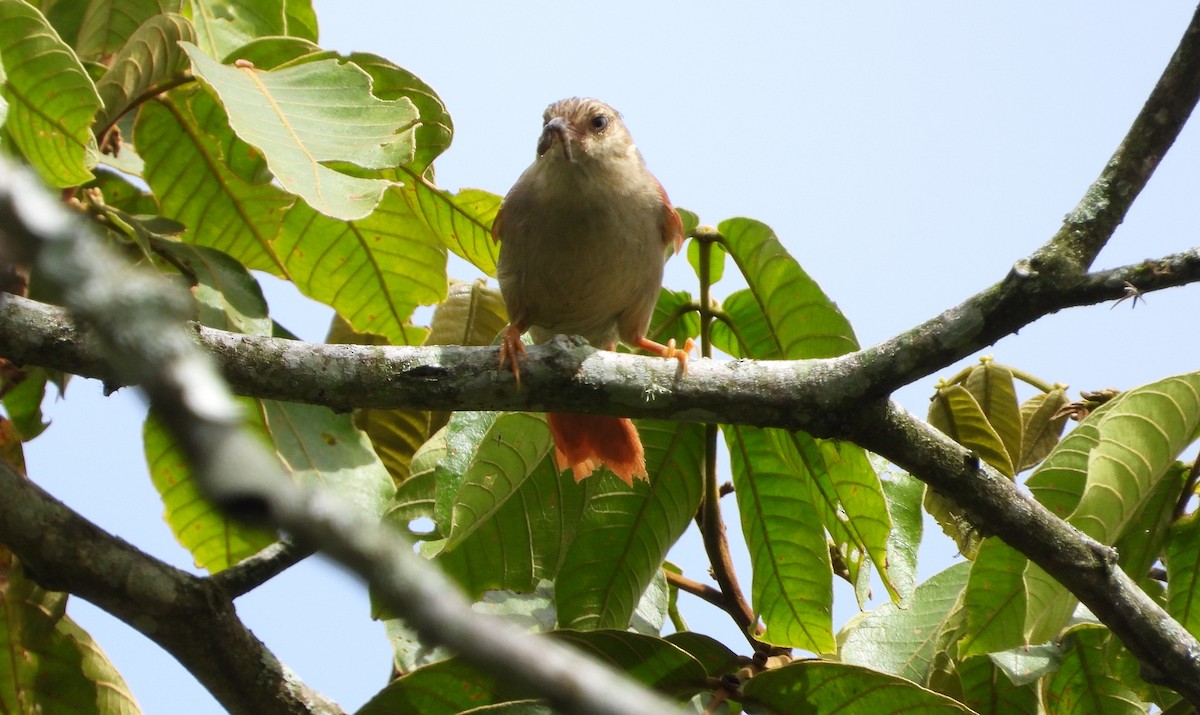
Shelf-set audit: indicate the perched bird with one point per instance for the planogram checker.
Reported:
(584, 234)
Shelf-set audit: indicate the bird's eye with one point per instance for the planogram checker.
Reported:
(599, 123)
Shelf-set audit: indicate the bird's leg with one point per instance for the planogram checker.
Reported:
(512, 350)
(669, 350)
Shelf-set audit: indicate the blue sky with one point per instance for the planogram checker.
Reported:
(906, 154)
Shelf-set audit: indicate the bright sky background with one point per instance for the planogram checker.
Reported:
(906, 153)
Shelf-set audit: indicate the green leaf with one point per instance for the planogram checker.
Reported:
(51, 98)
(674, 318)
(992, 387)
(462, 220)
(791, 589)
(190, 155)
(526, 537)
(451, 686)
(472, 314)
(713, 655)
(955, 411)
(1183, 568)
(108, 24)
(228, 296)
(988, 691)
(994, 601)
(511, 449)
(902, 641)
(392, 82)
(800, 320)
(48, 663)
(626, 532)
(1139, 438)
(215, 541)
(373, 271)
(1041, 430)
(149, 61)
(848, 496)
(1084, 682)
(300, 116)
(825, 687)
(317, 446)
(225, 25)
(23, 390)
(904, 494)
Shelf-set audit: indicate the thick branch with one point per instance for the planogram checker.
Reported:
(1089, 226)
(186, 615)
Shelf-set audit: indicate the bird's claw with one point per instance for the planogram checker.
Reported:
(512, 351)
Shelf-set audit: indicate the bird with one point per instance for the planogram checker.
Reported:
(584, 234)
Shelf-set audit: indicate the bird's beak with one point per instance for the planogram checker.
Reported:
(556, 128)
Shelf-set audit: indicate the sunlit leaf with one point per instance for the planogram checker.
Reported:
(791, 588)
(51, 99)
(48, 664)
(823, 686)
(988, 691)
(901, 641)
(991, 385)
(1041, 429)
(955, 411)
(800, 319)
(626, 532)
(190, 153)
(994, 600)
(149, 61)
(1084, 682)
(297, 117)
(225, 25)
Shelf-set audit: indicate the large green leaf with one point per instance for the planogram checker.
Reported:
(626, 532)
(215, 541)
(826, 687)
(798, 319)
(147, 63)
(463, 220)
(373, 271)
(300, 116)
(992, 386)
(848, 496)
(228, 296)
(392, 82)
(791, 590)
(512, 448)
(226, 25)
(1084, 682)
(451, 686)
(1183, 567)
(904, 495)
(995, 600)
(956, 412)
(902, 641)
(208, 180)
(989, 691)
(317, 446)
(108, 24)
(1139, 438)
(523, 541)
(51, 99)
(48, 664)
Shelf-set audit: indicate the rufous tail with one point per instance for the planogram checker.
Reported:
(585, 442)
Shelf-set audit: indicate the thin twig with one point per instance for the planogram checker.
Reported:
(249, 574)
(700, 590)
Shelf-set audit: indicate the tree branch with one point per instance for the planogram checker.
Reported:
(184, 614)
(247, 575)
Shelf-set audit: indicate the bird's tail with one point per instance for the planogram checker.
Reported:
(584, 442)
